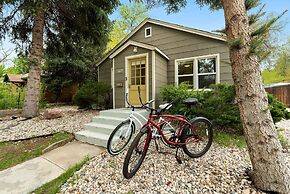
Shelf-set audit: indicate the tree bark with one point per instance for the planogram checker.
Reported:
(270, 172)
(36, 53)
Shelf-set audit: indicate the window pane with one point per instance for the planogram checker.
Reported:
(133, 72)
(205, 80)
(137, 80)
(187, 79)
(142, 80)
(207, 65)
(133, 81)
(143, 72)
(148, 32)
(137, 72)
(185, 67)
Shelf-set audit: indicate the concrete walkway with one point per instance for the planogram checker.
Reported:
(28, 176)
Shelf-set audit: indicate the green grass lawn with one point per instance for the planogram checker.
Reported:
(16, 152)
(54, 185)
(229, 140)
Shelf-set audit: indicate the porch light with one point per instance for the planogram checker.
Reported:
(135, 49)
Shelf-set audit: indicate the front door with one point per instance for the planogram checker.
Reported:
(137, 77)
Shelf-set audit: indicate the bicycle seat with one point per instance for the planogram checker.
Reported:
(190, 101)
(162, 106)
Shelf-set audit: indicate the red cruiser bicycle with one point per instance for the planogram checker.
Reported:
(194, 136)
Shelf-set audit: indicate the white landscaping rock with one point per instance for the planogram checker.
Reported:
(221, 170)
(73, 120)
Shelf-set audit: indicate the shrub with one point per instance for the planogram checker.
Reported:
(9, 95)
(218, 105)
(278, 109)
(93, 95)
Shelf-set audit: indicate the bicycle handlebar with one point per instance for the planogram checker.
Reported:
(143, 105)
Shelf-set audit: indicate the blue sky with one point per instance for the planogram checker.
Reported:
(202, 18)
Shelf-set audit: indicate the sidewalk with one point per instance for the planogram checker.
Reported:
(28, 176)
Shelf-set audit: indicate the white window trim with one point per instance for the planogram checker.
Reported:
(147, 36)
(113, 82)
(195, 69)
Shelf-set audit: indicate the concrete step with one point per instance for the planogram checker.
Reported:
(107, 120)
(98, 131)
(99, 127)
(121, 113)
(94, 138)
(117, 113)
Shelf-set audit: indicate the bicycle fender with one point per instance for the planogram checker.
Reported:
(134, 126)
(144, 129)
(196, 118)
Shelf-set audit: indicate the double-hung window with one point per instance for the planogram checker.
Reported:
(198, 72)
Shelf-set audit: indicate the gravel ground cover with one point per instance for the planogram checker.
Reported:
(72, 121)
(221, 170)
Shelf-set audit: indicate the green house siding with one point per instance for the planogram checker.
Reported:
(105, 71)
(160, 76)
(178, 44)
(175, 44)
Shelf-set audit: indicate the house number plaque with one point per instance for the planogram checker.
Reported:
(119, 70)
(119, 84)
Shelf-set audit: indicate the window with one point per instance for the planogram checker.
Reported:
(198, 72)
(148, 32)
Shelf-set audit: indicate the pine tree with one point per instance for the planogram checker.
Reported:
(32, 23)
(270, 172)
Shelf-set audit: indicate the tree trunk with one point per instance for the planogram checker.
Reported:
(36, 53)
(270, 172)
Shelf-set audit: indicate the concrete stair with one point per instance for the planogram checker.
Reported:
(98, 131)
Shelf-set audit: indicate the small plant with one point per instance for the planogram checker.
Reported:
(284, 142)
(218, 105)
(93, 95)
(278, 109)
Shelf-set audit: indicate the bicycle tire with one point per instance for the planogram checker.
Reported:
(115, 132)
(185, 135)
(133, 149)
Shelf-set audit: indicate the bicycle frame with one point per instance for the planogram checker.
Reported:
(133, 117)
(151, 123)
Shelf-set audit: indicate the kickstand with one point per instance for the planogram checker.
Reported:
(177, 157)
(156, 145)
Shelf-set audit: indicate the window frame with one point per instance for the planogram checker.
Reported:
(195, 73)
(147, 36)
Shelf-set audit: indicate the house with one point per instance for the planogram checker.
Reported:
(16, 79)
(158, 53)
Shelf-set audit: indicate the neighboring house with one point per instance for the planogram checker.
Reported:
(16, 79)
(158, 53)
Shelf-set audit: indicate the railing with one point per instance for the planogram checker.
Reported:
(280, 91)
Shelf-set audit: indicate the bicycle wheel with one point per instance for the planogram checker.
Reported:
(198, 137)
(120, 137)
(169, 130)
(136, 153)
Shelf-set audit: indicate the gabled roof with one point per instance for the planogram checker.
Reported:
(139, 44)
(165, 24)
(15, 78)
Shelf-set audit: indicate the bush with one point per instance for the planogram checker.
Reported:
(218, 105)
(93, 95)
(9, 96)
(278, 109)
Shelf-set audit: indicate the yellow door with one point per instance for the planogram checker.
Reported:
(137, 77)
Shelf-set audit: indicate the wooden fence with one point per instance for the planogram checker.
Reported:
(281, 92)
